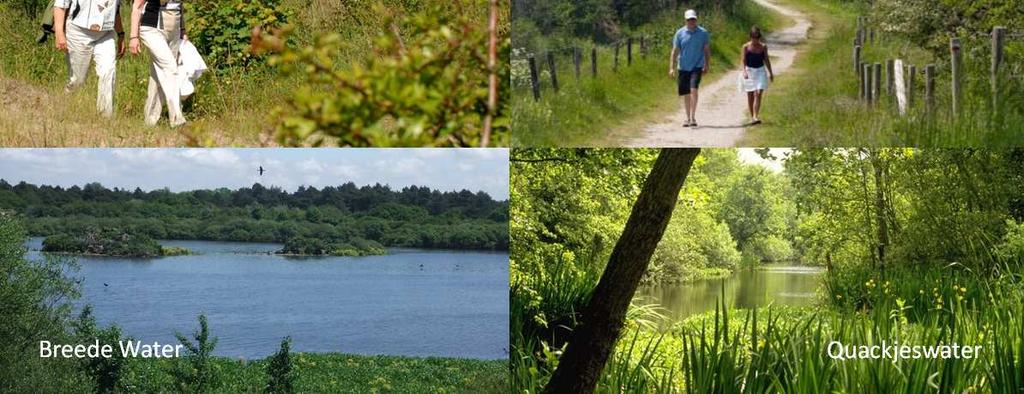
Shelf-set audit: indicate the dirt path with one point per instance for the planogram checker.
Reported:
(722, 109)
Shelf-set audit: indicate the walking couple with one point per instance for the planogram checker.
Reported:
(91, 30)
(690, 60)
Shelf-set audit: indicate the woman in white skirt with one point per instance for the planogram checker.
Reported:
(757, 71)
(159, 25)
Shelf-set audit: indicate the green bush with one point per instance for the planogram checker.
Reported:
(196, 372)
(222, 29)
(281, 377)
(105, 371)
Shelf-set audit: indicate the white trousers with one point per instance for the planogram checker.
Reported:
(163, 47)
(100, 47)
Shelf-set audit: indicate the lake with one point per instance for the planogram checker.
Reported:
(410, 302)
(778, 285)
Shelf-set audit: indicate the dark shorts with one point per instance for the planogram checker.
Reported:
(688, 80)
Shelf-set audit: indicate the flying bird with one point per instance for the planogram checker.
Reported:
(261, 171)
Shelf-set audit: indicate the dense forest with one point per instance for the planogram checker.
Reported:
(412, 217)
(916, 246)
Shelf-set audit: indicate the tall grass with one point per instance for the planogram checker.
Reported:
(601, 111)
(820, 106)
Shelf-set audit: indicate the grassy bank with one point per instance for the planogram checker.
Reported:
(820, 105)
(585, 113)
(337, 372)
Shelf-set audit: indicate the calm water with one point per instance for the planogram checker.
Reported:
(745, 289)
(455, 305)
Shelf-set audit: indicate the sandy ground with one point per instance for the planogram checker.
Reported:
(722, 110)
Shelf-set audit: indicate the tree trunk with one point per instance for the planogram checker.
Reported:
(604, 315)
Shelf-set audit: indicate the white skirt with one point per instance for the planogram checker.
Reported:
(758, 80)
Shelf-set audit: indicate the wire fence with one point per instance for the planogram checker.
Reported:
(531, 69)
(899, 81)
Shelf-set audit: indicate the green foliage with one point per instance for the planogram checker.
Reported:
(222, 29)
(414, 217)
(1011, 249)
(426, 84)
(280, 375)
(196, 372)
(174, 251)
(320, 247)
(33, 303)
(105, 371)
(105, 242)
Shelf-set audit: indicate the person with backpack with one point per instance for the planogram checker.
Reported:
(159, 25)
(90, 31)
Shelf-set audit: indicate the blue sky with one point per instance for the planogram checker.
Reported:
(188, 169)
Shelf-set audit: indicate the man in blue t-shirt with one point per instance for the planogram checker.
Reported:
(691, 55)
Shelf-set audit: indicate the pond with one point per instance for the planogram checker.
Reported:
(778, 285)
(409, 302)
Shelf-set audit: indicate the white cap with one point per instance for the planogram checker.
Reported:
(691, 14)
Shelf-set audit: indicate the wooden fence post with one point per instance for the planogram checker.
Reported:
(643, 47)
(911, 76)
(859, 37)
(867, 83)
(534, 78)
(576, 62)
(629, 51)
(862, 78)
(615, 67)
(890, 68)
(554, 71)
(929, 87)
(876, 90)
(954, 52)
(998, 38)
(899, 86)
(593, 62)
(856, 58)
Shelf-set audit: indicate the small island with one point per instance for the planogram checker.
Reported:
(109, 242)
(305, 246)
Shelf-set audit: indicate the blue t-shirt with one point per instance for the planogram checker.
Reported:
(691, 47)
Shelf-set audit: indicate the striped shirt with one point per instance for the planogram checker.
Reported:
(95, 15)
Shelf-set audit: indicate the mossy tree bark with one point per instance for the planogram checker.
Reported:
(604, 315)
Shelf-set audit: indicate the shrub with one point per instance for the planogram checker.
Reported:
(281, 378)
(426, 84)
(105, 371)
(222, 29)
(196, 372)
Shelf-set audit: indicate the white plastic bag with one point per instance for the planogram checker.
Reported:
(190, 67)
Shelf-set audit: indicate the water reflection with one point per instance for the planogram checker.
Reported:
(781, 285)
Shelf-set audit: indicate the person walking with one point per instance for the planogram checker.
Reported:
(690, 60)
(90, 31)
(159, 25)
(757, 71)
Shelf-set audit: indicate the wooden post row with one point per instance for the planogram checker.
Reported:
(554, 72)
(593, 62)
(534, 78)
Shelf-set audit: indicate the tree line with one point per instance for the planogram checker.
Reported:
(411, 217)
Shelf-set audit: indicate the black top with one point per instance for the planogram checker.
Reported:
(151, 14)
(754, 59)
